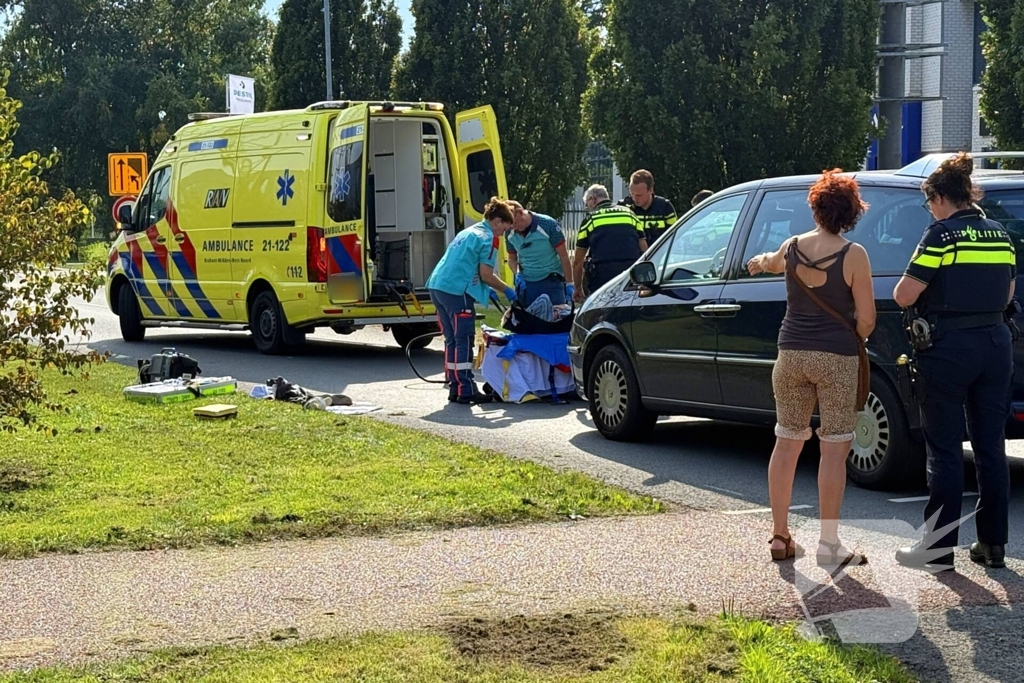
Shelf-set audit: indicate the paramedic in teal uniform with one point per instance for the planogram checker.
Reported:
(538, 257)
(465, 277)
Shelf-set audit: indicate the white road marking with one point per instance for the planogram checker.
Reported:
(732, 493)
(922, 499)
(755, 511)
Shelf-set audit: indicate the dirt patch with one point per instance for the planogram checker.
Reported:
(575, 643)
(16, 477)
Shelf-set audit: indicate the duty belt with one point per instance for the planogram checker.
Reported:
(968, 322)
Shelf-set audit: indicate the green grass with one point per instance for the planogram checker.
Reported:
(126, 475)
(643, 650)
(492, 316)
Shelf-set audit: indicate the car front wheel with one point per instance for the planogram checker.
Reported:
(615, 402)
(884, 454)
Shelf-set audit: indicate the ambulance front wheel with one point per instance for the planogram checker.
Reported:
(270, 331)
(129, 315)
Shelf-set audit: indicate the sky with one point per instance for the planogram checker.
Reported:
(270, 8)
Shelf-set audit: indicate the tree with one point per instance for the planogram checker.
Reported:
(366, 36)
(197, 44)
(709, 93)
(1002, 94)
(528, 59)
(94, 74)
(37, 316)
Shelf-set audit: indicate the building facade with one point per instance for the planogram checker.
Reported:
(943, 68)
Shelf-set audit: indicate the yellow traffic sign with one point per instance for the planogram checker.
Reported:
(126, 171)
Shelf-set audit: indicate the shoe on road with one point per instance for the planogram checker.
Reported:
(921, 556)
(992, 556)
(476, 398)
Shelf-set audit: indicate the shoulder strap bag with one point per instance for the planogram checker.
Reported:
(864, 369)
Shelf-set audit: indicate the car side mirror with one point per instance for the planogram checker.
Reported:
(124, 216)
(643, 273)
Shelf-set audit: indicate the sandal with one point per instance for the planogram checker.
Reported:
(791, 549)
(834, 559)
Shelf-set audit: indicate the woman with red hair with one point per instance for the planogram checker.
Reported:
(830, 311)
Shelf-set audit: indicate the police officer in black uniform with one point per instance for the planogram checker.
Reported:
(654, 211)
(610, 240)
(959, 284)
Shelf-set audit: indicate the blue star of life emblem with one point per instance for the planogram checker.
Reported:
(284, 184)
(342, 185)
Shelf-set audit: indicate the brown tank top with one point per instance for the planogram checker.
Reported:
(808, 327)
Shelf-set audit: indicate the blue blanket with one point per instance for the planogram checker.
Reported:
(551, 347)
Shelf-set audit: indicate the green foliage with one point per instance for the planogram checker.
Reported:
(365, 41)
(37, 316)
(94, 74)
(709, 93)
(1002, 95)
(526, 58)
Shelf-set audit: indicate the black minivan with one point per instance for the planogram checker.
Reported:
(700, 340)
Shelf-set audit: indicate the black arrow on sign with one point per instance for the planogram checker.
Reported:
(120, 172)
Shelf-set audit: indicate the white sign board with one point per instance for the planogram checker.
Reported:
(241, 95)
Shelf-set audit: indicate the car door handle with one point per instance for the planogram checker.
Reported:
(161, 240)
(717, 310)
(179, 238)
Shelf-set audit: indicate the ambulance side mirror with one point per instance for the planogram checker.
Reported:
(124, 216)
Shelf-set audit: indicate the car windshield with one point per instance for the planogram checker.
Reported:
(1007, 207)
(890, 229)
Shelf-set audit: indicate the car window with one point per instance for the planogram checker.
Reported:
(698, 246)
(890, 229)
(1007, 207)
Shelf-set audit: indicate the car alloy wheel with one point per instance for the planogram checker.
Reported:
(611, 393)
(871, 436)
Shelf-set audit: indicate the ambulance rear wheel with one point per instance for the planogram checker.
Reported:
(129, 315)
(404, 334)
(267, 323)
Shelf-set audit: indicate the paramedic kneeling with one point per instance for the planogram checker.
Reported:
(463, 278)
(960, 280)
(538, 257)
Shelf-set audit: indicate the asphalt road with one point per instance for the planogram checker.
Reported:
(693, 463)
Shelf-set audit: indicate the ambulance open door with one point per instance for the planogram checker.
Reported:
(481, 166)
(345, 230)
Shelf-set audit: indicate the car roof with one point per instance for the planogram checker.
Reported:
(910, 176)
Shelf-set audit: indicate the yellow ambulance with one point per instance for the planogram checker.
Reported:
(282, 222)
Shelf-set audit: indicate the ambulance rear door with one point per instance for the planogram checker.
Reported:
(345, 229)
(482, 170)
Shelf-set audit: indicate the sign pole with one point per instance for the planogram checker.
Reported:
(327, 48)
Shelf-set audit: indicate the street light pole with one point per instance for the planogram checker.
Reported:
(327, 48)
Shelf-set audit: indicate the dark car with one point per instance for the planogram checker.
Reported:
(688, 332)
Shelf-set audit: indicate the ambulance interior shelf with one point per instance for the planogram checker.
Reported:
(412, 219)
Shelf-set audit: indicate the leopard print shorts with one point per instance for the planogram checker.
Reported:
(805, 379)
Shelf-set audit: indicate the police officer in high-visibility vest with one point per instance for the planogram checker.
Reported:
(655, 212)
(610, 240)
(959, 283)
(463, 278)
